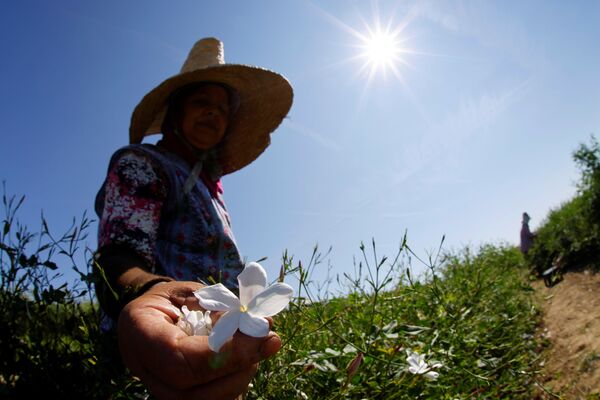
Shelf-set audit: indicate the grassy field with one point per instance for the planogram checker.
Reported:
(464, 330)
(473, 314)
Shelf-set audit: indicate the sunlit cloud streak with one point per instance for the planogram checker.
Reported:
(315, 136)
(476, 20)
(443, 142)
(446, 139)
(340, 216)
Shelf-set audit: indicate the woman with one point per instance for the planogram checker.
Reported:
(527, 237)
(164, 228)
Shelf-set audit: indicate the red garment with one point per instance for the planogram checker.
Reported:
(215, 188)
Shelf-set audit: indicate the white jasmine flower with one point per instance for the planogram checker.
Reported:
(195, 323)
(247, 313)
(418, 366)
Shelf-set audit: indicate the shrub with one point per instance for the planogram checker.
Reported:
(572, 231)
(50, 342)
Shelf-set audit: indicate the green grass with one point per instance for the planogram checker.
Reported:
(472, 313)
(475, 315)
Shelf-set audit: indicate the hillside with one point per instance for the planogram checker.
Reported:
(571, 328)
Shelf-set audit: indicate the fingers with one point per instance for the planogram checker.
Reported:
(224, 388)
(150, 340)
(153, 346)
(227, 387)
(148, 337)
(180, 293)
(237, 354)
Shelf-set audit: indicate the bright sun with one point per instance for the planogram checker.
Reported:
(383, 47)
(382, 51)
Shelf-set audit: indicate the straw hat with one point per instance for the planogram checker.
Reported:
(265, 97)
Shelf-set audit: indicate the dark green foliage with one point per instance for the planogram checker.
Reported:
(51, 344)
(572, 231)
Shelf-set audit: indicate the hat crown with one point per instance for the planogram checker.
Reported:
(206, 52)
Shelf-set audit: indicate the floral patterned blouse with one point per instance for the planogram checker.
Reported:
(142, 206)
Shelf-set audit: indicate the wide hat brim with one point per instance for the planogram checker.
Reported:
(265, 98)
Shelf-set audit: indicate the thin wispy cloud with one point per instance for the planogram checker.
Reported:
(346, 215)
(445, 140)
(316, 137)
(443, 144)
(478, 21)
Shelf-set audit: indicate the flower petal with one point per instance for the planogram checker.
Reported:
(417, 361)
(254, 326)
(192, 317)
(203, 330)
(271, 300)
(252, 280)
(224, 329)
(432, 375)
(414, 362)
(208, 322)
(217, 298)
(419, 358)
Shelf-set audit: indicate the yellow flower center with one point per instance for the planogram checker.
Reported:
(243, 308)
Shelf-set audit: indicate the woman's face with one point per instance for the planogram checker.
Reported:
(204, 116)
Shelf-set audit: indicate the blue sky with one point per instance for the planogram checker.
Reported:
(476, 126)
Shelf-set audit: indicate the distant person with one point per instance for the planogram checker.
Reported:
(527, 237)
(164, 229)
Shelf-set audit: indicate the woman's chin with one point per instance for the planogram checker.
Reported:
(203, 140)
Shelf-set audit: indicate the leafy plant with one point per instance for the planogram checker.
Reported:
(472, 314)
(571, 232)
(51, 342)
(463, 330)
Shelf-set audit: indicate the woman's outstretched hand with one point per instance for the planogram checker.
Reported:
(174, 365)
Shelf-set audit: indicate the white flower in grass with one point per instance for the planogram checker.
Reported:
(247, 313)
(418, 366)
(195, 323)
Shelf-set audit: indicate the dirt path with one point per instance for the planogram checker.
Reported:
(572, 326)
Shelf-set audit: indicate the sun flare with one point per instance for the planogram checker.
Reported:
(382, 48)
(382, 51)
